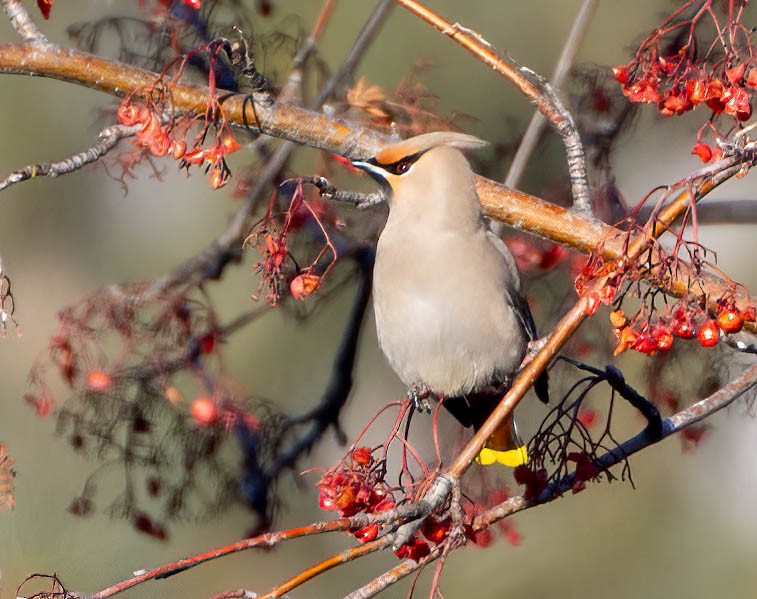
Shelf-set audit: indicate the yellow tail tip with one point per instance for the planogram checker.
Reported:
(511, 457)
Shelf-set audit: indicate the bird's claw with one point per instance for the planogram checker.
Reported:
(419, 395)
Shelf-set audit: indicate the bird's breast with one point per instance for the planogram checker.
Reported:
(442, 314)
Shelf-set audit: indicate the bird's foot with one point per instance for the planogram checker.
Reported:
(534, 347)
(419, 395)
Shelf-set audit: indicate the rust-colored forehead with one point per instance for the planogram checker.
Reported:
(395, 152)
(420, 143)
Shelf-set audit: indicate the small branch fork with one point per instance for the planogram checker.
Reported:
(106, 141)
(534, 86)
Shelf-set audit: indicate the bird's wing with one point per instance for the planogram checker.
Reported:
(522, 310)
(513, 291)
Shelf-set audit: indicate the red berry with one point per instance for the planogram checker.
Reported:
(436, 530)
(196, 156)
(749, 314)
(751, 78)
(367, 533)
(229, 144)
(696, 90)
(587, 417)
(736, 74)
(664, 338)
(730, 320)
(415, 549)
(304, 284)
(703, 151)
(645, 342)
(715, 90)
(178, 148)
(708, 333)
(217, 178)
(208, 343)
(621, 74)
(44, 7)
(362, 456)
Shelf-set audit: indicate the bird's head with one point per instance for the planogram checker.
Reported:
(413, 158)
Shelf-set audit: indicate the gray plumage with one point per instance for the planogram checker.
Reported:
(450, 314)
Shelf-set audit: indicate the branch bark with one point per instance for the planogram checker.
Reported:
(515, 208)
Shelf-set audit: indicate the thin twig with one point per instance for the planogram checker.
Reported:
(536, 125)
(691, 415)
(265, 541)
(535, 88)
(106, 141)
(390, 577)
(364, 39)
(22, 22)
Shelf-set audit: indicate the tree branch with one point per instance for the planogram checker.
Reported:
(536, 124)
(533, 86)
(676, 423)
(515, 208)
(106, 141)
(23, 23)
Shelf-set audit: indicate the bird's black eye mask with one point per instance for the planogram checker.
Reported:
(400, 167)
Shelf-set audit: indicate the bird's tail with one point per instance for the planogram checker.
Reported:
(504, 446)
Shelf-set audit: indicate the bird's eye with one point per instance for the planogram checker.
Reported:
(402, 166)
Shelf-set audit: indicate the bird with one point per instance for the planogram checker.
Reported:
(451, 317)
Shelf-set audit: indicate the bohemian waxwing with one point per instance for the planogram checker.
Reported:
(450, 315)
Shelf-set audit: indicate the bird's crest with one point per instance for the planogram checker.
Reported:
(420, 143)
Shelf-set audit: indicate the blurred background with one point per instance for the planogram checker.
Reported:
(687, 530)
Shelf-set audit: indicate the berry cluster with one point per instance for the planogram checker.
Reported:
(728, 92)
(648, 331)
(356, 486)
(272, 238)
(696, 57)
(682, 321)
(161, 140)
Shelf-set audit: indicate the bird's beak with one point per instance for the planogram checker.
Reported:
(376, 173)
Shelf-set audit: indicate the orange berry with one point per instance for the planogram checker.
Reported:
(229, 144)
(304, 284)
(730, 320)
(618, 319)
(173, 395)
(664, 338)
(99, 381)
(703, 151)
(204, 410)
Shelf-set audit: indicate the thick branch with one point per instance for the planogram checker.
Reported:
(517, 209)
